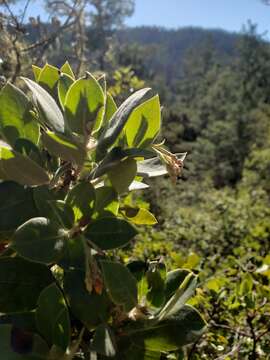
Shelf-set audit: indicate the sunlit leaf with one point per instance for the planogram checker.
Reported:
(16, 121)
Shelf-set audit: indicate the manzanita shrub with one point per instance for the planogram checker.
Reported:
(68, 158)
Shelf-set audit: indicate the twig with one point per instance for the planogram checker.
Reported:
(253, 336)
(232, 330)
(25, 10)
(55, 34)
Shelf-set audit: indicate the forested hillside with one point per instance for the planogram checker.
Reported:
(167, 48)
(214, 88)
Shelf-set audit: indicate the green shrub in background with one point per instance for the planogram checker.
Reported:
(68, 158)
(224, 236)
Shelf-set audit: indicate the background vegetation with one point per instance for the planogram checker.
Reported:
(215, 89)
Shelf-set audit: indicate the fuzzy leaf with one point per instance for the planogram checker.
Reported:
(48, 109)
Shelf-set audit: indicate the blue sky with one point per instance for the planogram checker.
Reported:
(226, 14)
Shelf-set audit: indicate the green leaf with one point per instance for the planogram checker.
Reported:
(21, 282)
(15, 199)
(185, 327)
(122, 175)
(49, 111)
(110, 233)
(173, 280)
(81, 199)
(19, 168)
(138, 268)
(131, 351)
(48, 79)
(118, 122)
(74, 255)
(120, 283)
(36, 71)
(107, 203)
(178, 300)
(61, 146)
(66, 69)
(42, 195)
(64, 83)
(16, 344)
(61, 213)
(111, 109)
(52, 317)
(139, 216)
(192, 261)
(40, 240)
(155, 281)
(114, 158)
(143, 124)
(246, 285)
(84, 106)
(102, 81)
(215, 284)
(27, 148)
(16, 121)
(103, 342)
(91, 309)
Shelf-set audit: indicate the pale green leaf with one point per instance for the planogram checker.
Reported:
(49, 111)
(143, 124)
(66, 69)
(85, 106)
(19, 168)
(118, 122)
(64, 147)
(122, 175)
(16, 121)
